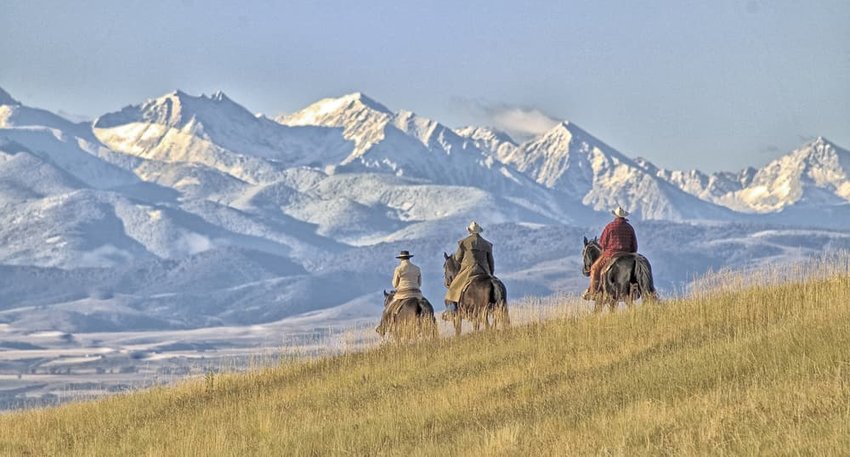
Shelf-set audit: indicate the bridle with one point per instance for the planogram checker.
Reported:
(586, 256)
(450, 271)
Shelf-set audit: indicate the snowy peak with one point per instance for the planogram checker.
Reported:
(563, 157)
(362, 119)
(6, 99)
(178, 109)
(569, 131)
(486, 134)
(573, 163)
(335, 112)
(219, 133)
(814, 175)
(430, 133)
(495, 141)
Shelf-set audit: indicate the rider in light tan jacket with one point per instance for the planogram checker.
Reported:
(407, 278)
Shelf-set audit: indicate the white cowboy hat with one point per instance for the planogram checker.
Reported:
(620, 212)
(474, 227)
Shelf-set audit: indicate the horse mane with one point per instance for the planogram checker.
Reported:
(388, 297)
(450, 261)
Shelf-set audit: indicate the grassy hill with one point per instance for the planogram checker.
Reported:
(740, 370)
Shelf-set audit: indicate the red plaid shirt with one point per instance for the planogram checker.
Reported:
(618, 236)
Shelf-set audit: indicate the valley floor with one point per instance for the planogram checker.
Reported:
(738, 369)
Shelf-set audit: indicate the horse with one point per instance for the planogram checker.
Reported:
(485, 295)
(628, 279)
(413, 320)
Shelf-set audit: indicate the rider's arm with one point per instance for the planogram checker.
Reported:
(396, 279)
(419, 278)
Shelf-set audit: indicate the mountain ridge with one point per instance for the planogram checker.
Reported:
(331, 192)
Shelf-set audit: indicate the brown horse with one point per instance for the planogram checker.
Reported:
(415, 319)
(484, 296)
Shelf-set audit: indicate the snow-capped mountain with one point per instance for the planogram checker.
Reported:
(187, 211)
(499, 143)
(216, 132)
(812, 176)
(817, 175)
(573, 163)
(405, 144)
(53, 141)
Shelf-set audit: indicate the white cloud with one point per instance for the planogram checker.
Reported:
(194, 243)
(521, 122)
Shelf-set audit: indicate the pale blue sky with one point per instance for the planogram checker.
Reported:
(706, 84)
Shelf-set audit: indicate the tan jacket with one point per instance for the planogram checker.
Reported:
(475, 255)
(407, 279)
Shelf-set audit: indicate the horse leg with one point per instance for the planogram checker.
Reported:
(598, 303)
(504, 316)
(458, 322)
(634, 294)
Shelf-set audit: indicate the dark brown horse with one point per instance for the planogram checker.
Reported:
(485, 296)
(628, 279)
(415, 319)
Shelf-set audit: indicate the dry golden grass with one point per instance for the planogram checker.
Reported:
(731, 370)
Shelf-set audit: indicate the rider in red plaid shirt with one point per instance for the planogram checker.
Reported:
(618, 237)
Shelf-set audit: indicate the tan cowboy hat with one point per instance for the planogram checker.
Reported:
(474, 227)
(404, 255)
(620, 212)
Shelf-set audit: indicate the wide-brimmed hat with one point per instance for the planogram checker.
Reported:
(474, 227)
(620, 212)
(404, 255)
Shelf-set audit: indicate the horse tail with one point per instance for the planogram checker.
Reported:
(643, 274)
(497, 295)
(500, 301)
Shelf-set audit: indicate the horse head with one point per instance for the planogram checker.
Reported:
(388, 298)
(589, 254)
(450, 269)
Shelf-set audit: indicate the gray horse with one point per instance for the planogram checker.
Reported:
(414, 319)
(627, 280)
(485, 296)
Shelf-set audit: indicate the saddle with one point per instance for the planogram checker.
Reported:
(614, 259)
(496, 284)
(395, 306)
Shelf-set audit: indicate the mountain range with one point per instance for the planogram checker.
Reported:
(189, 211)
